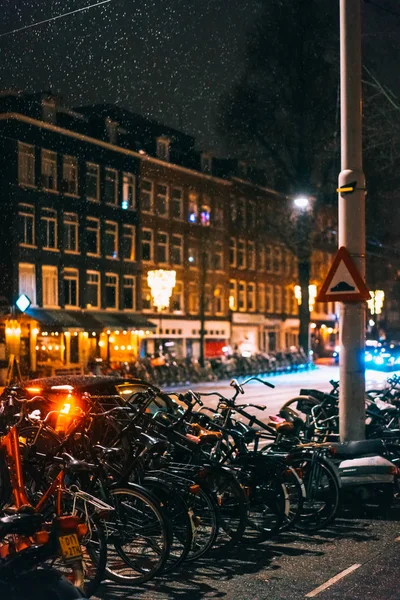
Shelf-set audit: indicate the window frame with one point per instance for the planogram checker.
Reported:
(261, 300)
(72, 275)
(233, 252)
(114, 231)
(126, 175)
(242, 252)
(91, 198)
(163, 149)
(151, 242)
(151, 195)
(98, 285)
(157, 195)
(251, 256)
(47, 219)
(116, 287)
(132, 237)
(178, 286)
(67, 222)
(66, 168)
(132, 278)
(44, 161)
(97, 230)
(23, 212)
(219, 297)
(174, 200)
(251, 295)
(244, 292)
(53, 271)
(181, 249)
(165, 245)
(30, 269)
(29, 166)
(115, 182)
(233, 285)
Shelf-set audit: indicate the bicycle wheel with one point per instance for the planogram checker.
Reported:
(178, 516)
(138, 536)
(231, 503)
(268, 505)
(204, 521)
(296, 492)
(322, 493)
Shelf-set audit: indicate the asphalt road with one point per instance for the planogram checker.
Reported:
(357, 558)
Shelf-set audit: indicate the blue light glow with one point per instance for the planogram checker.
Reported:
(23, 303)
(125, 204)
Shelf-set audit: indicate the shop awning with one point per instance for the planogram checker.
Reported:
(54, 319)
(82, 320)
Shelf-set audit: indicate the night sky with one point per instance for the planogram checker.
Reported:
(167, 59)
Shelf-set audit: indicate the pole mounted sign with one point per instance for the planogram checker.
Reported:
(343, 282)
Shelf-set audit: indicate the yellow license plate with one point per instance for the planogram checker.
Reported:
(70, 546)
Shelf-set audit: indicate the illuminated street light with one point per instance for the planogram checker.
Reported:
(312, 294)
(161, 284)
(301, 202)
(375, 304)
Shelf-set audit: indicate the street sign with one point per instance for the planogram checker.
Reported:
(343, 282)
(23, 303)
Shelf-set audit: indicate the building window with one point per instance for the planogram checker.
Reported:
(194, 299)
(233, 294)
(27, 281)
(49, 286)
(70, 232)
(71, 287)
(147, 301)
(269, 298)
(261, 258)
(251, 297)
(128, 191)
(111, 239)
(218, 257)
(234, 211)
(147, 245)
(93, 289)
(218, 213)
(70, 175)
(162, 247)
(26, 164)
(92, 182)
(129, 292)
(177, 203)
(277, 260)
(147, 196)
(242, 296)
(208, 299)
(93, 236)
(268, 259)
(111, 186)
(176, 303)
(251, 214)
(261, 298)
(277, 299)
(129, 242)
(111, 291)
(288, 292)
(161, 200)
(251, 253)
(193, 209)
(193, 256)
(205, 214)
(163, 148)
(49, 170)
(49, 221)
(241, 254)
(232, 253)
(241, 214)
(219, 300)
(26, 214)
(176, 250)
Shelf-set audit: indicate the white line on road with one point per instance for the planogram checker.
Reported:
(333, 580)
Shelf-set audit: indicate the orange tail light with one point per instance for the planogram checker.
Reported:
(68, 523)
(194, 489)
(41, 537)
(82, 530)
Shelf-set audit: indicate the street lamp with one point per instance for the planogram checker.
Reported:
(301, 202)
(161, 283)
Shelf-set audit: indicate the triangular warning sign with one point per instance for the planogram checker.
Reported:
(343, 282)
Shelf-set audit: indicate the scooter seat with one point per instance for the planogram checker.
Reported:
(361, 448)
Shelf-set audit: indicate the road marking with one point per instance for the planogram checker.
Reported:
(333, 580)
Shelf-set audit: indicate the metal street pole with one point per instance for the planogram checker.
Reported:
(352, 223)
